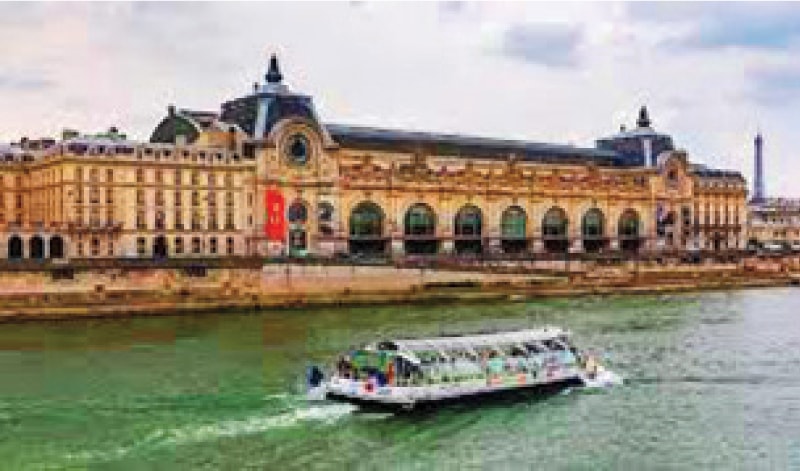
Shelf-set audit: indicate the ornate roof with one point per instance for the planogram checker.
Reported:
(703, 171)
(181, 123)
(463, 146)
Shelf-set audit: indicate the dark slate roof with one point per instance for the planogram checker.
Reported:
(242, 111)
(245, 111)
(466, 146)
(707, 172)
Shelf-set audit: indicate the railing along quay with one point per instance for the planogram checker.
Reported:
(405, 261)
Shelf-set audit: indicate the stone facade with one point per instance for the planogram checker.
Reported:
(774, 221)
(116, 198)
(198, 189)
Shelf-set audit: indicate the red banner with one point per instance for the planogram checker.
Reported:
(275, 227)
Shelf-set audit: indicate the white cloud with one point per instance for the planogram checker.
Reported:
(438, 67)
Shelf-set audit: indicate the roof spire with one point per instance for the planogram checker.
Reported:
(644, 118)
(274, 73)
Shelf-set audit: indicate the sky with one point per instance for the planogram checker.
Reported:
(711, 74)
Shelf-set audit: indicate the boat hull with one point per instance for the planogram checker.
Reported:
(478, 397)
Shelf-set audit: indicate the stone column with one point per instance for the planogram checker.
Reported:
(398, 250)
(447, 246)
(494, 245)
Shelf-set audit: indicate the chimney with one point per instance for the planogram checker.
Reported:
(232, 139)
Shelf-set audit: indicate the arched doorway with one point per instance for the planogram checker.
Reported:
(468, 230)
(56, 247)
(419, 227)
(554, 230)
(36, 246)
(160, 247)
(15, 247)
(513, 224)
(593, 230)
(629, 231)
(297, 217)
(366, 229)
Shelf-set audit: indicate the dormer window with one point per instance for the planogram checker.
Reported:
(672, 175)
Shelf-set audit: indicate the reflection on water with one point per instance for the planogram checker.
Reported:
(712, 384)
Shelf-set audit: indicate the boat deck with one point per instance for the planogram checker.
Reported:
(422, 397)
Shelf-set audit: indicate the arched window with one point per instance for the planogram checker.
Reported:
(628, 230)
(420, 221)
(15, 247)
(366, 229)
(593, 230)
(419, 227)
(513, 225)
(56, 247)
(469, 222)
(366, 221)
(554, 230)
(36, 247)
(468, 229)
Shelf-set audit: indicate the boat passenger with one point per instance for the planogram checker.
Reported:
(591, 366)
(343, 367)
(390, 373)
(495, 365)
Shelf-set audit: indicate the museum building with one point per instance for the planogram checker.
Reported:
(265, 176)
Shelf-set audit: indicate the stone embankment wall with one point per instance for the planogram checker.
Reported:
(158, 291)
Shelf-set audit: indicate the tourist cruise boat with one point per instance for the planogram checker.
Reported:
(404, 375)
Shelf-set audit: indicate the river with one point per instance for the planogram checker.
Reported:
(713, 383)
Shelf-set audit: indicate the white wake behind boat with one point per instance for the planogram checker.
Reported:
(404, 375)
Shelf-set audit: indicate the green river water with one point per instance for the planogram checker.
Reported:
(713, 383)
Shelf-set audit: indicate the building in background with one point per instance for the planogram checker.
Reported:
(773, 223)
(265, 176)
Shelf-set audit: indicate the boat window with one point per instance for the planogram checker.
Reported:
(517, 351)
(533, 348)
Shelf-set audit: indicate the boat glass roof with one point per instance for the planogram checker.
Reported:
(471, 342)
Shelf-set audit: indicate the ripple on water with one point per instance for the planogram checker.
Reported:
(326, 414)
(710, 384)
